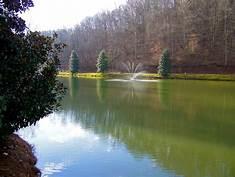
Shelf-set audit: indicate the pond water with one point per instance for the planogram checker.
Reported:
(170, 128)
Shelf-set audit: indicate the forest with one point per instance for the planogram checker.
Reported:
(199, 34)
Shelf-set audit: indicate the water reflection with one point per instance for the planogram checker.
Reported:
(65, 148)
(52, 168)
(101, 89)
(167, 128)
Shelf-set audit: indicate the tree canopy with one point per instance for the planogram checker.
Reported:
(198, 33)
(10, 10)
(29, 64)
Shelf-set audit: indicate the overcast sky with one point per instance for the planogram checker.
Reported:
(56, 14)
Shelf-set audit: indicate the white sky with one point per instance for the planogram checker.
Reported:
(56, 14)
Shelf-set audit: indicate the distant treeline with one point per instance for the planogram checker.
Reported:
(200, 35)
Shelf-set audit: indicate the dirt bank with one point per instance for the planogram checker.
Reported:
(17, 158)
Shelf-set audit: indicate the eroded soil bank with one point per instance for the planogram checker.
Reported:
(17, 158)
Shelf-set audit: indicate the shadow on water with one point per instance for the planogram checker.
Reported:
(185, 126)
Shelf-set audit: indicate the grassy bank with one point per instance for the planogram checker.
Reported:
(215, 77)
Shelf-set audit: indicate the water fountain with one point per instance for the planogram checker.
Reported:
(131, 67)
(134, 69)
(136, 75)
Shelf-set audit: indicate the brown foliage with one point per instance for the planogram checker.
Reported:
(196, 32)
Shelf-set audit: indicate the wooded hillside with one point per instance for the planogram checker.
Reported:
(200, 35)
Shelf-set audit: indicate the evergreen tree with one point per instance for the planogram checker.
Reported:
(74, 62)
(164, 68)
(102, 62)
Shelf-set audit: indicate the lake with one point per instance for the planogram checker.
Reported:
(168, 128)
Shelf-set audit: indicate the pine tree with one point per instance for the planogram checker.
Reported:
(102, 62)
(164, 68)
(74, 62)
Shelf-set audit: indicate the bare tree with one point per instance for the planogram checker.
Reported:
(196, 32)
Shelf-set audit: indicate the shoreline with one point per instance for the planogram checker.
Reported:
(17, 158)
(151, 76)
